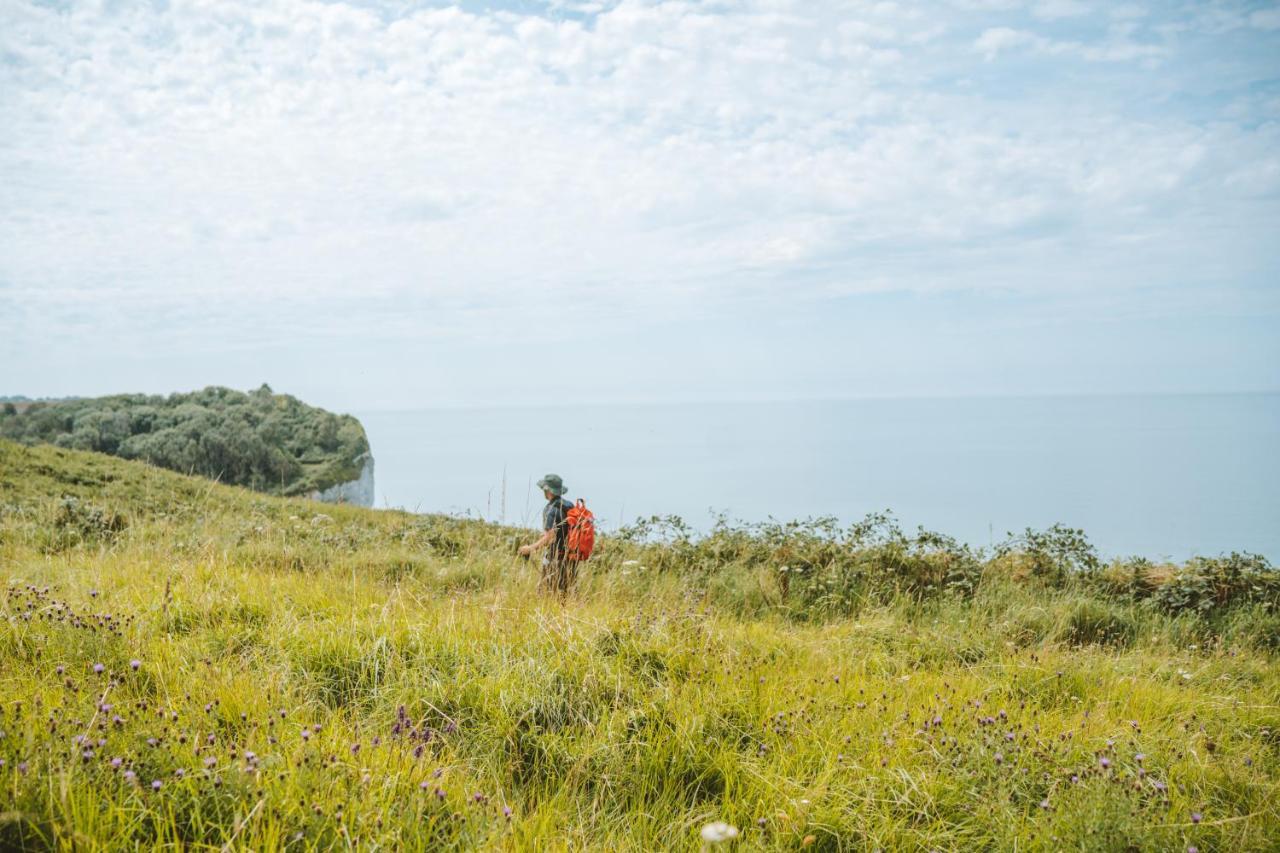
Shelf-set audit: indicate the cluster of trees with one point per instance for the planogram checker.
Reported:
(266, 441)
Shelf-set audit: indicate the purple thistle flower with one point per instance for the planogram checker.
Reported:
(478, 797)
(1044, 804)
(60, 670)
(98, 668)
(1140, 757)
(1105, 762)
(1193, 849)
(999, 758)
(355, 747)
(129, 775)
(1196, 817)
(116, 762)
(156, 785)
(210, 761)
(22, 767)
(306, 734)
(424, 784)
(506, 812)
(135, 664)
(439, 793)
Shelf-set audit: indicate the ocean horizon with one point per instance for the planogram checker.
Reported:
(1165, 476)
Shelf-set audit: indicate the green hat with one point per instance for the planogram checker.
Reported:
(552, 483)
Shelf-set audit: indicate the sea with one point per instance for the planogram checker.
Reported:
(1160, 476)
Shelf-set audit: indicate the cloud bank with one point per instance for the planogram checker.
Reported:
(213, 174)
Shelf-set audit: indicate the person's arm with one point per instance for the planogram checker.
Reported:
(543, 541)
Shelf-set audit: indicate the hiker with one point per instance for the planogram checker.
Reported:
(568, 534)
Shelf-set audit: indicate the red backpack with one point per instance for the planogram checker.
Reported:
(582, 532)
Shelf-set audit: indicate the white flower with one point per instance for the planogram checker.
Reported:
(630, 562)
(719, 832)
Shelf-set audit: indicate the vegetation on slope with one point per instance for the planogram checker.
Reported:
(186, 664)
(270, 442)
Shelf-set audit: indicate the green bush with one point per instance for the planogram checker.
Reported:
(270, 442)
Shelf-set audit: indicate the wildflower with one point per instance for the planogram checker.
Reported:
(506, 812)
(1104, 762)
(1044, 804)
(306, 734)
(761, 822)
(60, 670)
(129, 775)
(719, 832)
(135, 664)
(424, 784)
(1196, 817)
(478, 797)
(156, 785)
(116, 762)
(22, 768)
(1140, 757)
(355, 747)
(98, 668)
(999, 758)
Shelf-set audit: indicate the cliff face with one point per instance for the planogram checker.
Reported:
(358, 491)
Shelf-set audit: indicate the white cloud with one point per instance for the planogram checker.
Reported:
(1266, 19)
(1053, 10)
(480, 166)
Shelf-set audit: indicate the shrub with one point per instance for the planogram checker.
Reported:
(1054, 554)
(1208, 584)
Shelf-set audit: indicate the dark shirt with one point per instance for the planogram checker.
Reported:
(555, 517)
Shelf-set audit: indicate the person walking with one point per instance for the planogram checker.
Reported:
(559, 571)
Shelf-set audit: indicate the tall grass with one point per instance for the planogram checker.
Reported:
(312, 676)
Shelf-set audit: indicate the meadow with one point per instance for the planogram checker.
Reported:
(189, 665)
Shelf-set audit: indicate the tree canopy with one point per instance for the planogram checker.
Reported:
(271, 442)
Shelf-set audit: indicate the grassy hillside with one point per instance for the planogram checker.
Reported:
(270, 442)
(188, 664)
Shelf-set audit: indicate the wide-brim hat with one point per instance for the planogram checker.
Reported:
(552, 483)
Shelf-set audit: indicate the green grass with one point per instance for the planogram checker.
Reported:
(682, 683)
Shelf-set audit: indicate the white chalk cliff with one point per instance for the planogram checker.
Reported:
(358, 491)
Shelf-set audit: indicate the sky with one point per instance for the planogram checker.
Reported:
(393, 205)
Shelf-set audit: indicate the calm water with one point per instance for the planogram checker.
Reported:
(1160, 476)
